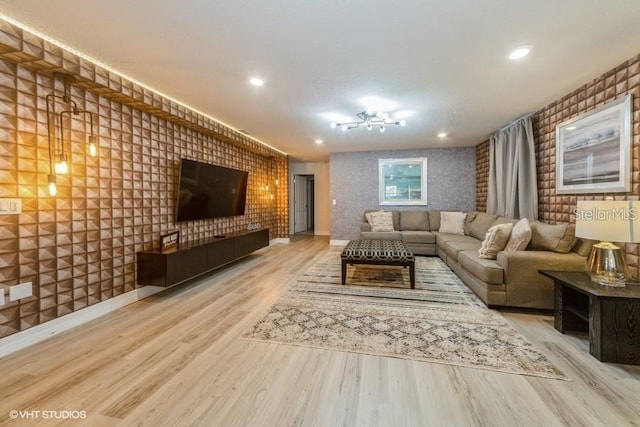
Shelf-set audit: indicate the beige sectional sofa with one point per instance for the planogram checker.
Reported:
(512, 279)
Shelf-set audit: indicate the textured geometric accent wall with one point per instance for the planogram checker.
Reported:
(79, 247)
(354, 184)
(615, 83)
(482, 175)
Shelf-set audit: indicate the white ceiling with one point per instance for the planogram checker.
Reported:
(442, 61)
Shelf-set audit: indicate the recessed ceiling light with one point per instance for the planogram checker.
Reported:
(571, 128)
(519, 53)
(442, 135)
(256, 81)
(318, 141)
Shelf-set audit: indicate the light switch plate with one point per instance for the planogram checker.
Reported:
(20, 291)
(1, 296)
(10, 206)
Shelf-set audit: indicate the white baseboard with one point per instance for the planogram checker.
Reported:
(41, 332)
(284, 240)
(338, 242)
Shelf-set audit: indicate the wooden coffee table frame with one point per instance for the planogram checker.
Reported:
(363, 258)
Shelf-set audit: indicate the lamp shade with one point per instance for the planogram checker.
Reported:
(608, 220)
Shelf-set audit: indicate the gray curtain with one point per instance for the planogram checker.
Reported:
(513, 186)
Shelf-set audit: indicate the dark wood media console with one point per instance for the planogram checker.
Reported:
(192, 259)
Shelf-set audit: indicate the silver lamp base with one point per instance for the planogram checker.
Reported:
(607, 266)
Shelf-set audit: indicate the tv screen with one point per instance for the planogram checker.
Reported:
(208, 191)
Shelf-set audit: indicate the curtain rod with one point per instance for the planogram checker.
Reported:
(512, 122)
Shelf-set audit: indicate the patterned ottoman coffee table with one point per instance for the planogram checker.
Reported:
(378, 252)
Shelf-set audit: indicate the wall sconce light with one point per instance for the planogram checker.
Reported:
(53, 189)
(55, 126)
(92, 148)
(61, 167)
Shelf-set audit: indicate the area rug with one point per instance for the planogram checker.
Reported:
(378, 313)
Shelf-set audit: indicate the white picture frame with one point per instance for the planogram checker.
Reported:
(402, 181)
(593, 151)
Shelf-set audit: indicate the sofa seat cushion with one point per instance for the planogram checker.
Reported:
(418, 237)
(454, 247)
(443, 238)
(381, 235)
(446, 237)
(487, 270)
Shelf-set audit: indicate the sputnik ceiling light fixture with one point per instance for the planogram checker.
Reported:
(370, 119)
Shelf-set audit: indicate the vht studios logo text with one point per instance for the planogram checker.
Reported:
(51, 415)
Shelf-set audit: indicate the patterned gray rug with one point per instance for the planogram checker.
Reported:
(377, 313)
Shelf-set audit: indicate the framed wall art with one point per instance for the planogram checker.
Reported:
(403, 181)
(593, 151)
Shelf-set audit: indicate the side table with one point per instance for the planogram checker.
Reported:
(610, 315)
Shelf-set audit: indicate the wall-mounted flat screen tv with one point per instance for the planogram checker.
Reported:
(209, 191)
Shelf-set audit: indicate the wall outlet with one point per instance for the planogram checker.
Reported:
(10, 206)
(20, 291)
(333, 202)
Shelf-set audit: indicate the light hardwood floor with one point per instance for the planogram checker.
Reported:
(176, 359)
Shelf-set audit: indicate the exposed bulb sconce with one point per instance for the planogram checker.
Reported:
(53, 189)
(55, 131)
(92, 141)
(92, 148)
(61, 167)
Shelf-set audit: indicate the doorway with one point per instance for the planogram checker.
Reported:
(303, 204)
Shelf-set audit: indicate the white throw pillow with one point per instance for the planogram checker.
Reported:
(520, 236)
(368, 216)
(382, 221)
(495, 240)
(452, 222)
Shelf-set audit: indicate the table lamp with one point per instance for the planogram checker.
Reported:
(608, 221)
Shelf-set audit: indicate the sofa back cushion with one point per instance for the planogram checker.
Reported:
(583, 247)
(452, 222)
(434, 220)
(479, 225)
(552, 237)
(495, 240)
(414, 220)
(504, 220)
